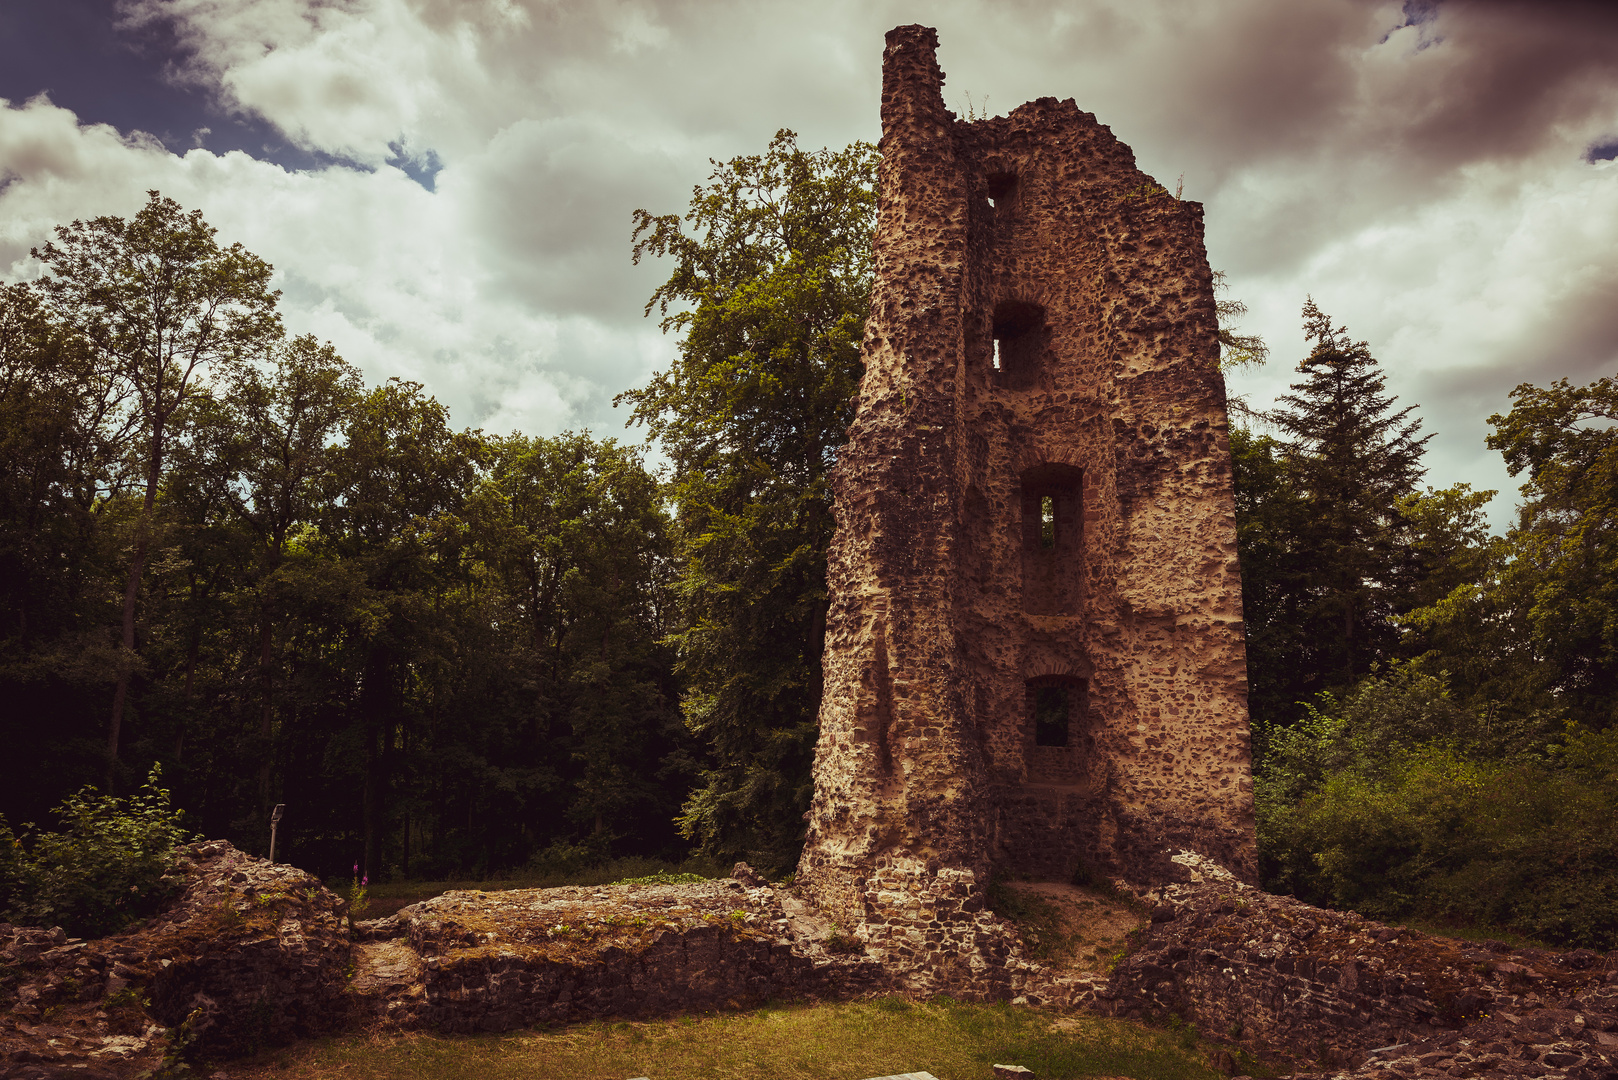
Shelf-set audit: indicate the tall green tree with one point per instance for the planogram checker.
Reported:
(576, 532)
(1532, 629)
(1237, 351)
(281, 420)
(63, 478)
(769, 294)
(62, 437)
(164, 306)
(1272, 524)
(1352, 457)
(1566, 540)
(394, 515)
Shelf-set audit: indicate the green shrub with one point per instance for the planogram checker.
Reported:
(1422, 816)
(111, 865)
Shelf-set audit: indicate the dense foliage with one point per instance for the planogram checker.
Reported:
(770, 297)
(1322, 523)
(1401, 801)
(1433, 706)
(454, 653)
(112, 864)
(219, 550)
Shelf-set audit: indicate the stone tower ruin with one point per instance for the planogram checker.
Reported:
(1034, 657)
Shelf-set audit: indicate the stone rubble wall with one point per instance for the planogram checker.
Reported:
(255, 954)
(1042, 335)
(929, 925)
(251, 954)
(1578, 1041)
(1278, 976)
(494, 961)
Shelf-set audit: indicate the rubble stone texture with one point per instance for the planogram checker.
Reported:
(1034, 657)
(494, 961)
(1280, 977)
(251, 954)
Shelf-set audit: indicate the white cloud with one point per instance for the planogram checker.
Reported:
(1425, 183)
(394, 275)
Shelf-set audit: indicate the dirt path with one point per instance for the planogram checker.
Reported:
(1068, 926)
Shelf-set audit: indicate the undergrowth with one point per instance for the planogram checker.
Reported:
(112, 864)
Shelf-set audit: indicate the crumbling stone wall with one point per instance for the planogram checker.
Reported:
(255, 953)
(1034, 657)
(477, 961)
(252, 954)
(1279, 976)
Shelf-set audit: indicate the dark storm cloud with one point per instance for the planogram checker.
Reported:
(85, 57)
(1434, 173)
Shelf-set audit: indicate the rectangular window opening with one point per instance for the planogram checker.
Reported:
(1050, 715)
(1047, 521)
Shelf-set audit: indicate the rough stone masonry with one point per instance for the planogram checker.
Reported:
(1034, 658)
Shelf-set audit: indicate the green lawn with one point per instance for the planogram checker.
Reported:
(844, 1041)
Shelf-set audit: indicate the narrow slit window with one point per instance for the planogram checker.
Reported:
(1047, 521)
(997, 354)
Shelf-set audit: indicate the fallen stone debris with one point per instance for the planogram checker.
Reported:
(255, 954)
(1362, 999)
(252, 954)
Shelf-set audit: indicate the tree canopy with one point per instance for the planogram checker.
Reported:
(457, 653)
(442, 649)
(769, 293)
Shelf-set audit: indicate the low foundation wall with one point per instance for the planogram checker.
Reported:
(255, 954)
(493, 961)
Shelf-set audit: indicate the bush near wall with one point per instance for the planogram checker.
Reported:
(1398, 803)
(112, 864)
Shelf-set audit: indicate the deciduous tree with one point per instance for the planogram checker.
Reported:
(165, 307)
(769, 293)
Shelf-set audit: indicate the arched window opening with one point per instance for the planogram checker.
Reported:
(1052, 539)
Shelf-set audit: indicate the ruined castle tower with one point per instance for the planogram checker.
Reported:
(1034, 656)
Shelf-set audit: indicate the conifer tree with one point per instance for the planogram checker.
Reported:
(1352, 457)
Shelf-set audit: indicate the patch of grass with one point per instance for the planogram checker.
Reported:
(662, 877)
(953, 1041)
(1476, 933)
(1039, 921)
(389, 898)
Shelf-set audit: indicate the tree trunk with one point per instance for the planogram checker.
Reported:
(265, 726)
(137, 563)
(376, 700)
(373, 799)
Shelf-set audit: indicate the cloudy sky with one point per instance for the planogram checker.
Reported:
(445, 186)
